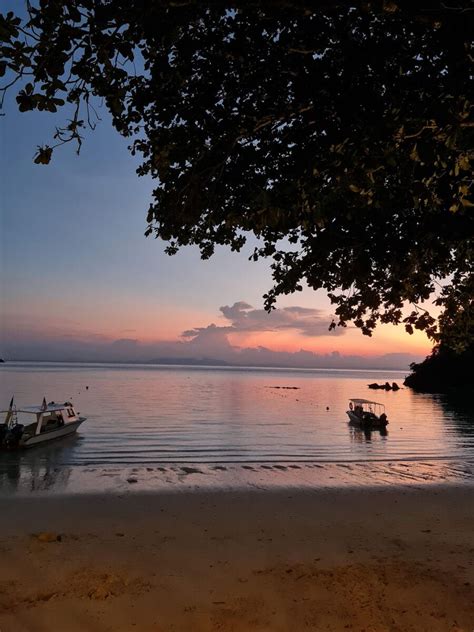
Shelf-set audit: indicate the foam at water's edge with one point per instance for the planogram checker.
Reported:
(224, 476)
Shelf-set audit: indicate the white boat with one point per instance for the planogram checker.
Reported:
(29, 426)
(367, 414)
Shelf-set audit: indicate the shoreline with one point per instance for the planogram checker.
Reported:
(374, 559)
(18, 478)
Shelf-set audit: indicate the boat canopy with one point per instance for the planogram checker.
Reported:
(369, 404)
(363, 401)
(35, 410)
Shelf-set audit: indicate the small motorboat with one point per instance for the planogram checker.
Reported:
(29, 426)
(366, 414)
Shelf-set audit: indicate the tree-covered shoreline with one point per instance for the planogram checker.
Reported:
(443, 371)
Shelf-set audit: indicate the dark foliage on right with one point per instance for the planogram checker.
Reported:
(449, 367)
(443, 371)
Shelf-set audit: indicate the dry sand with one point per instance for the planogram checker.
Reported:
(366, 559)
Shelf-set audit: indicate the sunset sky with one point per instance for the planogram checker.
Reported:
(80, 280)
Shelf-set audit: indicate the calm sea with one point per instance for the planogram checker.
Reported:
(160, 419)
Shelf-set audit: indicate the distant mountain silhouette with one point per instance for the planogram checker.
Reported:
(189, 361)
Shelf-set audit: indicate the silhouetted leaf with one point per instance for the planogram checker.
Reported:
(43, 156)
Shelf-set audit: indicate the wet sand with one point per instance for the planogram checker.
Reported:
(377, 560)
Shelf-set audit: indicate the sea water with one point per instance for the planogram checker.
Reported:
(150, 423)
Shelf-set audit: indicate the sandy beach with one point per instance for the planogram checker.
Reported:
(364, 560)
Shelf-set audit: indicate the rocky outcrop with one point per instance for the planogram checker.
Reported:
(385, 387)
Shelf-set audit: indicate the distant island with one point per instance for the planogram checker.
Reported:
(353, 364)
(188, 361)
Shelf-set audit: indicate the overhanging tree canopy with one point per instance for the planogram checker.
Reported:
(338, 133)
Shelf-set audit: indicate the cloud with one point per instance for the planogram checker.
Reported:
(210, 341)
(304, 359)
(237, 311)
(126, 343)
(243, 318)
(303, 320)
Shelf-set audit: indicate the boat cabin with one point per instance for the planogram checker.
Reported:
(50, 418)
(38, 419)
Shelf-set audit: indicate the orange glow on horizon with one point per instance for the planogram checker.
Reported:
(149, 323)
(386, 339)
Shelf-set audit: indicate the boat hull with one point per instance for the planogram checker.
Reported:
(51, 435)
(355, 420)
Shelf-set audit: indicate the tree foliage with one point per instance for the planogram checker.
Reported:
(448, 368)
(444, 371)
(338, 133)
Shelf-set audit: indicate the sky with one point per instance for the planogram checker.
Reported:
(79, 281)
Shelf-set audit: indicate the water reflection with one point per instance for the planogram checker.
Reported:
(460, 409)
(159, 415)
(361, 435)
(37, 469)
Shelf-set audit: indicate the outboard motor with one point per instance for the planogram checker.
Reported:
(3, 434)
(13, 436)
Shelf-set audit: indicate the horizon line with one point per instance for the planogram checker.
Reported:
(202, 365)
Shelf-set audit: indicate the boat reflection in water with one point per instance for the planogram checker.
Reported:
(37, 470)
(365, 435)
